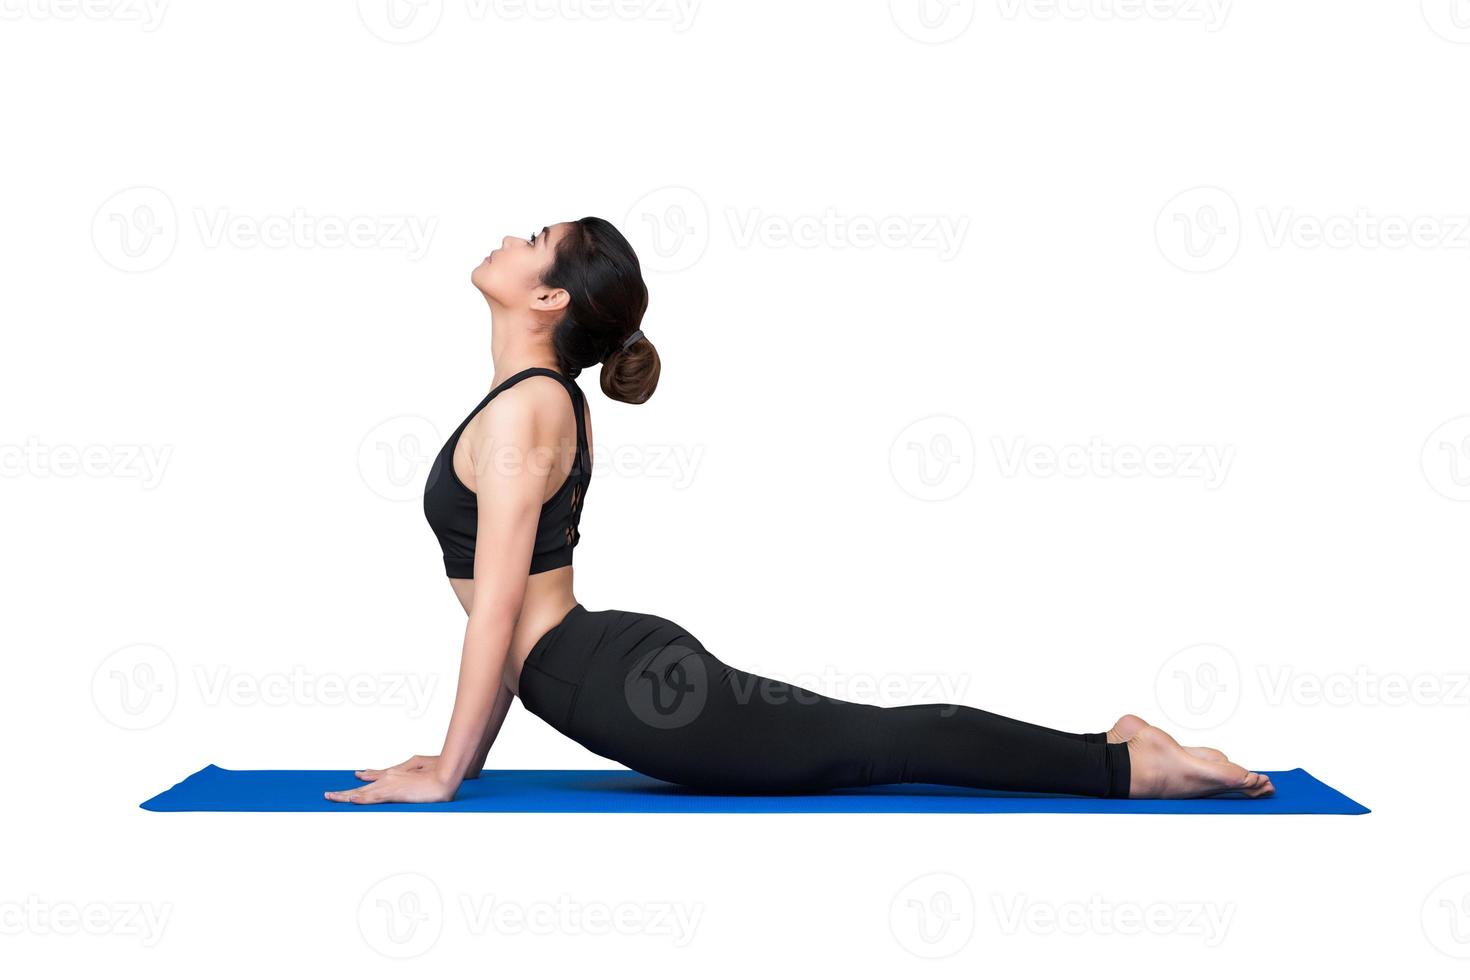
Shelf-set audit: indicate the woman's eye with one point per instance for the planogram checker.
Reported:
(532, 239)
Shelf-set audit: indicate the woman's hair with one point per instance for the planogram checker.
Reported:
(599, 270)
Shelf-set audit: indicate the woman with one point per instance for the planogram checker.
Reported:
(504, 498)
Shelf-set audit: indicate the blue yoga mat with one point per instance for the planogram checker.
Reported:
(624, 791)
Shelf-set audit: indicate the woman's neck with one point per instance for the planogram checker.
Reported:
(514, 346)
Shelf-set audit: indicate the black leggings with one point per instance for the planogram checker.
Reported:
(639, 690)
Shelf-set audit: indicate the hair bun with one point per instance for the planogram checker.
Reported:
(630, 374)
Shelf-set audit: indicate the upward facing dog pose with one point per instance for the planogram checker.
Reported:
(504, 497)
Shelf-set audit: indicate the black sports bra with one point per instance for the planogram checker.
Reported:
(452, 509)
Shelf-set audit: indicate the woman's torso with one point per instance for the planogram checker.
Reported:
(548, 596)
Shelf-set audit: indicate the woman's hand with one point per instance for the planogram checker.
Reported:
(419, 763)
(422, 786)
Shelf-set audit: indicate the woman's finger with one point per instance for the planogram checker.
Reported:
(415, 764)
(368, 794)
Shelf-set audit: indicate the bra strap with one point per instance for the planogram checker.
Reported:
(573, 389)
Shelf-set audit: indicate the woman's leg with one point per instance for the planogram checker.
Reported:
(640, 690)
(754, 734)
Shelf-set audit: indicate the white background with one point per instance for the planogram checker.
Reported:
(1186, 228)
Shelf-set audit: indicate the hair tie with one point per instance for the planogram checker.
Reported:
(634, 336)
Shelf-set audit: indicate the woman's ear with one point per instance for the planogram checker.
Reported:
(549, 299)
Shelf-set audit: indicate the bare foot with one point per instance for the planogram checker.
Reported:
(1125, 727)
(1162, 770)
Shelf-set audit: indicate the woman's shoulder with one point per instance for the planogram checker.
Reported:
(532, 412)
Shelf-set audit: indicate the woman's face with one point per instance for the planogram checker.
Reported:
(510, 276)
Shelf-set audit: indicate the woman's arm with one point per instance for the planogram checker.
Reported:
(510, 490)
(466, 595)
(492, 729)
(509, 487)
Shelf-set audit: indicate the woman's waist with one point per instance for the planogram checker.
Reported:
(544, 607)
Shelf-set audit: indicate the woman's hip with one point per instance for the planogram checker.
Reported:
(605, 650)
(640, 690)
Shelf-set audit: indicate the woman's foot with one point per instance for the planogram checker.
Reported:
(1162, 769)
(1125, 727)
